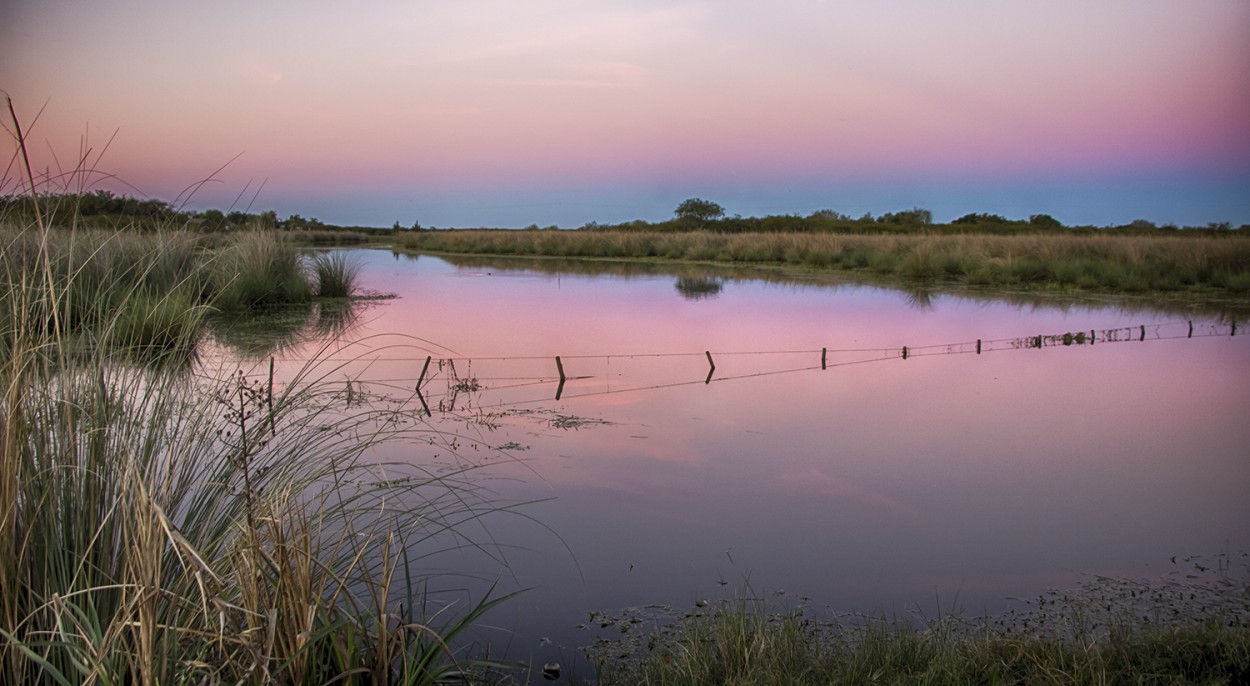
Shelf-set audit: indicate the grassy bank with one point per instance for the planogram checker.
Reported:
(1186, 628)
(161, 527)
(1209, 265)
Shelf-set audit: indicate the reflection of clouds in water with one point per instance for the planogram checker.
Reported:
(814, 481)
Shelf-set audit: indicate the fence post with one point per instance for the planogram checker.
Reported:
(421, 378)
(1191, 329)
(1143, 332)
(978, 346)
(904, 352)
(711, 365)
(560, 368)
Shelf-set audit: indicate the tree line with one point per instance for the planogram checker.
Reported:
(698, 214)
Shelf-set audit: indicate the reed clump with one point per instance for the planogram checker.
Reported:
(1111, 262)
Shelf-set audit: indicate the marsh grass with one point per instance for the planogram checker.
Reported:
(1063, 261)
(336, 274)
(1191, 626)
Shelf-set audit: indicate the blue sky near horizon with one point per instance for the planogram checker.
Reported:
(507, 114)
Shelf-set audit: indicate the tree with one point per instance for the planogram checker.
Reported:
(981, 218)
(1045, 221)
(914, 216)
(699, 210)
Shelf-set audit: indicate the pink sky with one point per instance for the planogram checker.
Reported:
(486, 112)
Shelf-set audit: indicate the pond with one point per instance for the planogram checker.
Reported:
(870, 449)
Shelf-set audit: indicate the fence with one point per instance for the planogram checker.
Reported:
(459, 384)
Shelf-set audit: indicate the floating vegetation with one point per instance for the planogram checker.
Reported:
(568, 421)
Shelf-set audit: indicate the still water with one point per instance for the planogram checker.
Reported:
(815, 459)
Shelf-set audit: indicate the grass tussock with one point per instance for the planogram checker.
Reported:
(1058, 261)
(1185, 629)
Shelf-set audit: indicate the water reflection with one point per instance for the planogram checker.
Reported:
(698, 288)
(255, 336)
(819, 458)
(919, 296)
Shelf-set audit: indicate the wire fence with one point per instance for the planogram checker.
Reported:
(450, 383)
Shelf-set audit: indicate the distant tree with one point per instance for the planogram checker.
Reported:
(829, 215)
(416, 225)
(699, 210)
(214, 219)
(914, 216)
(981, 218)
(1044, 221)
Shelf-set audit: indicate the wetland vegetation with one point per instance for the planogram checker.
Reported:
(166, 528)
(160, 526)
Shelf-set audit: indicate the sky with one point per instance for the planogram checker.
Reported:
(510, 113)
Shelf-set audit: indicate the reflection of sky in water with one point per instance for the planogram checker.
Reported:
(959, 477)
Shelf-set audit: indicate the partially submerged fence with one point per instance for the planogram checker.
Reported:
(458, 383)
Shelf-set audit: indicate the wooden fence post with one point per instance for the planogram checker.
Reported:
(424, 369)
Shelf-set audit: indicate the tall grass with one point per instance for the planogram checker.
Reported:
(1064, 261)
